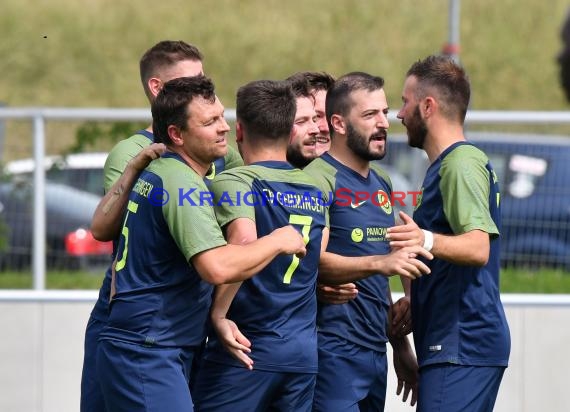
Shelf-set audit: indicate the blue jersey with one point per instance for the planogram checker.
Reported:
(457, 311)
(357, 228)
(275, 309)
(115, 165)
(160, 299)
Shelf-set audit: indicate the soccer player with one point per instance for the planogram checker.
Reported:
(460, 331)
(352, 337)
(314, 85)
(164, 61)
(170, 253)
(275, 310)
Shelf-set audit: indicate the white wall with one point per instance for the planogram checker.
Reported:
(41, 352)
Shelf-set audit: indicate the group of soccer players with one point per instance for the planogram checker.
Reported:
(246, 275)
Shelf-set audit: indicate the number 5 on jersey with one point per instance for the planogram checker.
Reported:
(131, 208)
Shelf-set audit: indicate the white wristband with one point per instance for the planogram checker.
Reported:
(428, 240)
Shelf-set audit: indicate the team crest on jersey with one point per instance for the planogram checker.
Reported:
(419, 199)
(357, 235)
(384, 201)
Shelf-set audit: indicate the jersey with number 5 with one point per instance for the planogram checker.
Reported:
(160, 298)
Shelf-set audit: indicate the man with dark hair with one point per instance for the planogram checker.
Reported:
(303, 142)
(314, 85)
(168, 256)
(164, 61)
(319, 84)
(168, 60)
(461, 334)
(352, 337)
(275, 310)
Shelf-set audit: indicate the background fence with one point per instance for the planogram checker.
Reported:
(44, 220)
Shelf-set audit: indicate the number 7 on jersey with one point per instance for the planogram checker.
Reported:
(305, 223)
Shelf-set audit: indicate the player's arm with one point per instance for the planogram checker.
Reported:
(338, 269)
(405, 361)
(469, 248)
(240, 231)
(334, 294)
(465, 192)
(234, 263)
(107, 218)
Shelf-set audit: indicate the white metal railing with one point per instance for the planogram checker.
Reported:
(19, 295)
(39, 116)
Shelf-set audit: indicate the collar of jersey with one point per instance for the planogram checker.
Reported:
(339, 165)
(146, 134)
(173, 155)
(274, 164)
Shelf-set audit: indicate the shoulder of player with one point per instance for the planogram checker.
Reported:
(380, 173)
(466, 152)
(323, 172)
(176, 175)
(464, 156)
(126, 149)
(233, 158)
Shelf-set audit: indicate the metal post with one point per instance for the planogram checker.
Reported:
(452, 47)
(39, 236)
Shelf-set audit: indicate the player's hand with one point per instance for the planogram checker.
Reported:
(404, 262)
(406, 367)
(233, 340)
(147, 155)
(290, 241)
(400, 318)
(407, 233)
(336, 294)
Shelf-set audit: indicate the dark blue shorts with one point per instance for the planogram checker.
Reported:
(220, 388)
(454, 388)
(351, 378)
(137, 378)
(91, 395)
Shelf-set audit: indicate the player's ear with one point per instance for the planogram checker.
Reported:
(338, 124)
(154, 85)
(175, 135)
(239, 132)
(428, 106)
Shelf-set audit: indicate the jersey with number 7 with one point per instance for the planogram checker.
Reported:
(276, 309)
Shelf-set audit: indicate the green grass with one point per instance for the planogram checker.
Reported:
(522, 281)
(54, 280)
(85, 54)
(512, 281)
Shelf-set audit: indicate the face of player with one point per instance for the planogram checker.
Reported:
(410, 115)
(205, 137)
(367, 124)
(302, 145)
(324, 137)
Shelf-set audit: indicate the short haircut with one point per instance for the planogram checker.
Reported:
(339, 100)
(266, 109)
(163, 54)
(316, 80)
(300, 85)
(447, 81)
(171, 104)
